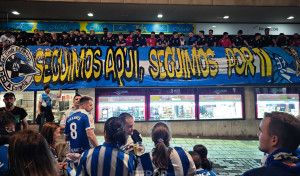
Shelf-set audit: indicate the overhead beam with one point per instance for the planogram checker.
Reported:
(270, 3)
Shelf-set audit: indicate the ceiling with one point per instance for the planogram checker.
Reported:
(146, 13)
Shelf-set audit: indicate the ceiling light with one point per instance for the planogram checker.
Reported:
(214, 26)
(269, 27)
(15, 13)
(290, 18)
(159, 16)
(226, 17)
(90, 14)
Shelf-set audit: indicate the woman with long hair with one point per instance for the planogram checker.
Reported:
(29, 155)
(51, 132)
(164, 160)
(108, 159)
(206, 165)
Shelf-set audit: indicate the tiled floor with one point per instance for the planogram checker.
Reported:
(230, 157)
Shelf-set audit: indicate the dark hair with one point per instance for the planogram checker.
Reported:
(46, 87)
(114, 131)
(124, 116)
(64, 33)
(211, 30)
(182, 34)
(84, 32)
(139, 30)
(152, 32)
(161, 136)
(197, 159)
(130, 32)
(225, 33)
(281, 34)
(48, 132)
(42, 31)
(77, 30)
(76, 95)
(29, 155)
(267, 29)
(175, 32)
(286, 127)
(120, 34)
(6, 119)
(191, 32)
(71, 30)
(161, 33)
(201, 31)
(240, 31)
(9, 94)
(105, 29)
(257, 34)
(85, 99)
(202, 151)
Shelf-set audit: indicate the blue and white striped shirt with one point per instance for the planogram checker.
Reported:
(180, 164)
(105, 160)
(202, 172)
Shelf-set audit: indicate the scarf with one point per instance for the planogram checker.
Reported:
(284, 158)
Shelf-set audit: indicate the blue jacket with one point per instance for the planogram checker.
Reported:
(275, 167)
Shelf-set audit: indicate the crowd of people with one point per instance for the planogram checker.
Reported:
(80, 38)
(28, 153)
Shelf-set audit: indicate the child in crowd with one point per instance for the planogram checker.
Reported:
(203, 165)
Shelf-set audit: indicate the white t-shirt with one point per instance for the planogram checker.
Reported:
(67, 114)
(46, 100)
(8, 40)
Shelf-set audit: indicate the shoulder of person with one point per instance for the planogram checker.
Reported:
(19, 109)
(258, 172)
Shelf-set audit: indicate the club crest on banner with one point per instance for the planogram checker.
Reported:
(17, 68)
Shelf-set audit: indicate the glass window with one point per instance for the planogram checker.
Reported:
(113, 106)
(172, 107)
(23, 100)
(60, 105)
(220, 106)
(277, 102)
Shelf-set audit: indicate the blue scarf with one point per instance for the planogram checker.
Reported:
(286, 159)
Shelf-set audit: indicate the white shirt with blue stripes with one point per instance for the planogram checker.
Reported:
(105, 160)
(180, 164)
(67, 114)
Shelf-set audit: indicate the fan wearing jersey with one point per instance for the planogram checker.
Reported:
(162, 41)
(108, 159)
(79, 129)
(200, 156)
(69, 112)
(45, 105)
(201, 41)
(7, 39)
(174, 41)
(164, 160)
(152, 40)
